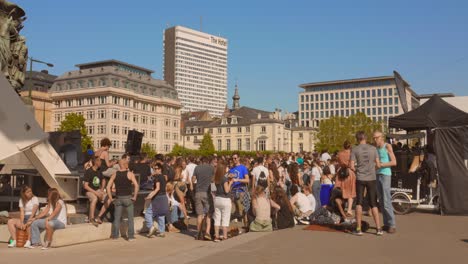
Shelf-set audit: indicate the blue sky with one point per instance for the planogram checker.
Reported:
(273, 45)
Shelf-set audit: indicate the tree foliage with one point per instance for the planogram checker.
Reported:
(207, 146)
(150, 151)
(335, 130)
(74, 121)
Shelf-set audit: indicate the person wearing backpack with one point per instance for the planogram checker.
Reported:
(261, 175)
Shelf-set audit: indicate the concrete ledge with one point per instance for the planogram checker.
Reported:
(77, 234)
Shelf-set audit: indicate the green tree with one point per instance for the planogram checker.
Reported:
(150, 151)
(335, 130)
(206, 145)
(74, 121)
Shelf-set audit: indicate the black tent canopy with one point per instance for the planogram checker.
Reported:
(432, 114)
(450, 127)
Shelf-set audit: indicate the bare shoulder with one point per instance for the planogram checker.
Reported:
(389, 147)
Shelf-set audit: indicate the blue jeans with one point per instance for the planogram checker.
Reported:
(149, 216)
(316, 187)
(161, 223)
(119, 205)
(175, 214)
(39, 225)
(385, 199)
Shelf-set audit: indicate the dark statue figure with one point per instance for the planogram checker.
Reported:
(13, 49)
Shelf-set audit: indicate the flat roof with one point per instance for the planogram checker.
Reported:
(312, 84)
(110, 62)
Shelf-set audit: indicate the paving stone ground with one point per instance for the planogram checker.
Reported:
(421, 238)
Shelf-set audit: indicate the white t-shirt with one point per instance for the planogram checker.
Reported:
(317, 173)
(332, 169)
(312, 201)
(303, 203)
(62, 215)
(29, 205)
(190, 169)
(257, 170)
(185, 176)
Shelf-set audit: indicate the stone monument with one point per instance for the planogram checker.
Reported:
(13, 49)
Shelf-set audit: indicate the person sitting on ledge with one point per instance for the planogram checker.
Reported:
(55, 214)
(95, 184)
(28, 205)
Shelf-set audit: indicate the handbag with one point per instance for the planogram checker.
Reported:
(343, 173)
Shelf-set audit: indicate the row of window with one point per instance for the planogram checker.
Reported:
(116, 100)
(102, 114)
(349, 95)
(351, 103)
(348, 112)
(115, 130)
(239, 145)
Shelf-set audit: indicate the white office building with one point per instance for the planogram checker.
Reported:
(195, 63)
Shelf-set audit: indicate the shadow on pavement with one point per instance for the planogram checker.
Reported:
(464, 240)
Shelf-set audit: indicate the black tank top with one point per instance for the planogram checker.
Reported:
(103, 165)
(123, 186)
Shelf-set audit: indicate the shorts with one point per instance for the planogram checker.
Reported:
(238, 208)
(371, 188)
(26, 219)
(202, 203)
(92, 197)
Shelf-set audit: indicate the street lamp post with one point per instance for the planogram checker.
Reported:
(31, 60)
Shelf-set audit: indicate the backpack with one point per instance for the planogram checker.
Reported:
(169, 172)
(262, 180)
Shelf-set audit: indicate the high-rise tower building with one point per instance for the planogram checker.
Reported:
(195, 63)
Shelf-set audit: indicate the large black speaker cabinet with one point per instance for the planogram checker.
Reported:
(134, 140)
(68, 146)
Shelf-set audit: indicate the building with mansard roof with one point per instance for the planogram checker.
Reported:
(116, 97)
(243, 128)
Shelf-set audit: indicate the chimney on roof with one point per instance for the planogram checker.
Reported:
(259, 116)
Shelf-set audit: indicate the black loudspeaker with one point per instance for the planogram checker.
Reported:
(134, 140)
(68, 146)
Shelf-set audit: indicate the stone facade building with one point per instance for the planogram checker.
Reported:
(116, 97)
(247, 129)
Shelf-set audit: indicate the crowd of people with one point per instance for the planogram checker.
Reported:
(264, 193)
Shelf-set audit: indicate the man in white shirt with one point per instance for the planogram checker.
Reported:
(260, 175)
(190, 168)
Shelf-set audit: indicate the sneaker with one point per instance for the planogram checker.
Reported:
(12, 244)
(32, 246)
(93, 222)
(46, 245)
(173, 229)
(357, 232)
(161, 235)
(27, 244)
(379, 232)
(131, 239)
(216, 239)
(151, 232)
(391, 230)
(295, 221)
(304, 221)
